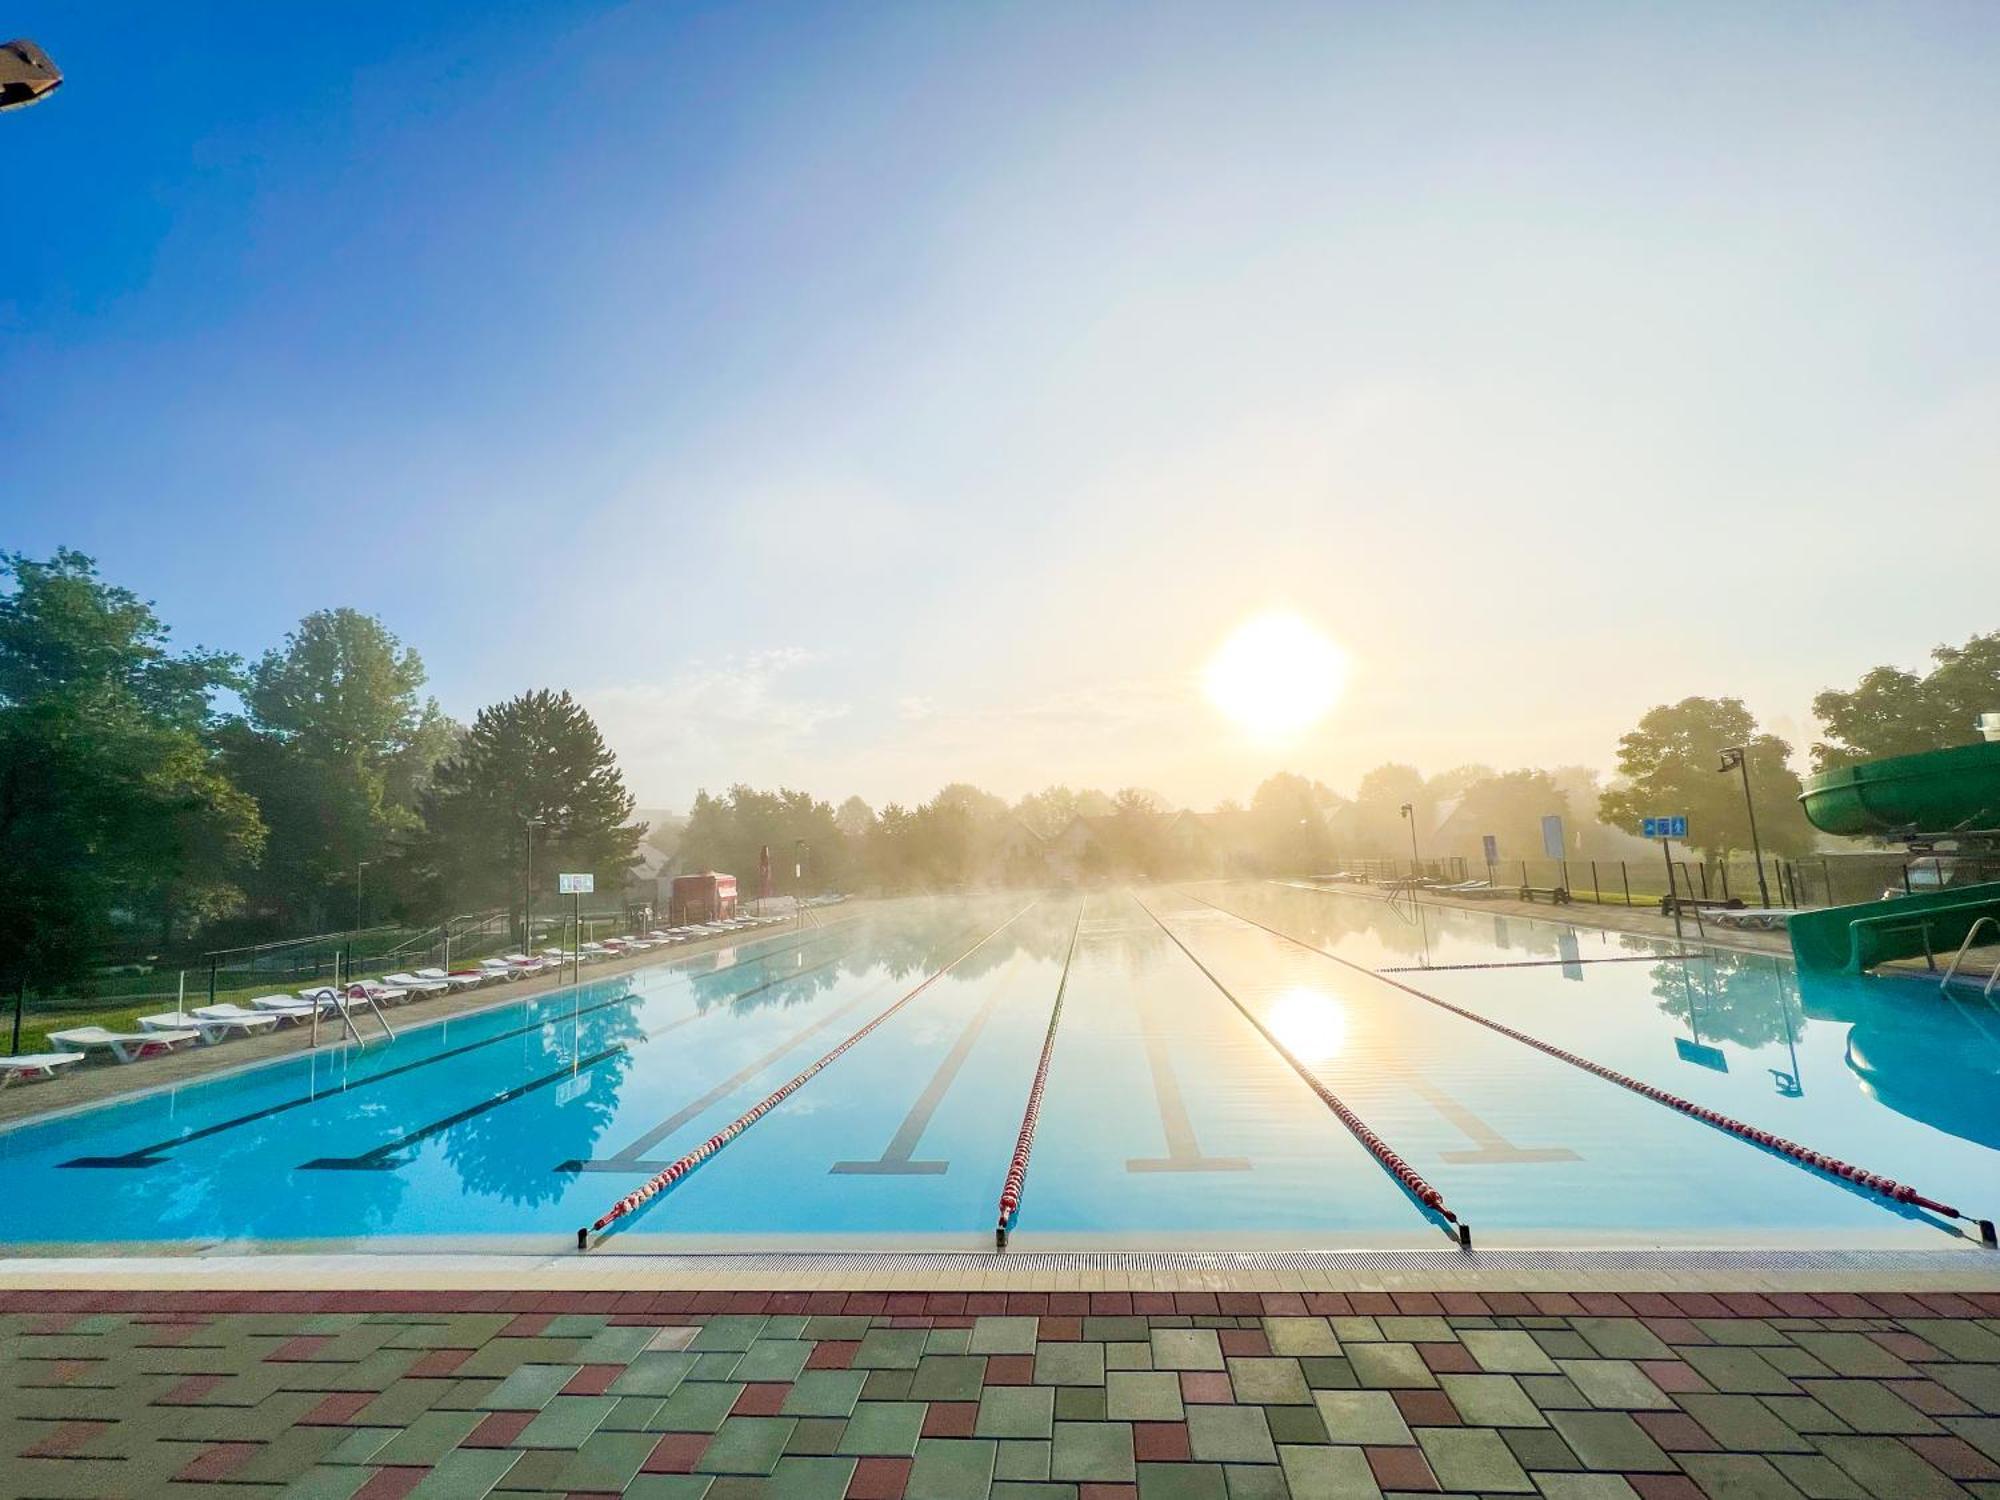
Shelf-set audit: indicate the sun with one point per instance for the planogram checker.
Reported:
(1275, 675)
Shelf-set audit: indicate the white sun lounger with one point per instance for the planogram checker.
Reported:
(381, 994)
(499, 968)
(458, 979)
(417, 983)
(284, 1015)
(126, 1046)
(35, 1067)
(211, 1028)
(524, 964)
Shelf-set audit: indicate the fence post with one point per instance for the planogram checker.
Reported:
(1704, 881)
(211, 981)
(1525, 891)
(1724, 868)
(1625, 876)
(20, 1004)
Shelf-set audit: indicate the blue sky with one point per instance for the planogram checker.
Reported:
(867, 397)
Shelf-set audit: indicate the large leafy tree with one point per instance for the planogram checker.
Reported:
(536, 757)
(114, 809)
(1668, 765)
(338, 747)
(729, 833)
(1894, 712)
(1289, 823)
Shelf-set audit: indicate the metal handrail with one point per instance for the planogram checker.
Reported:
(1951, 972)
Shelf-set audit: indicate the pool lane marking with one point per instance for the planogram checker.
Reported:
(387, 1155)
(678, 1171)
(1184, 1152)
(149, 1156)
(1885, 1191)
(1534, 963)
(1016, 1180)
(1427, 1198)
(632, 1157)
(895, 1160)
(1492, 1148)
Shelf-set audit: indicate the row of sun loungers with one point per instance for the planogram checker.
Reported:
(210, 1025)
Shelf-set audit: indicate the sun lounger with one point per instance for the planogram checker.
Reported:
(211, 1029)
(458, 979)
(499, 968)
(526, 965)
(126, 1046)
(380, 994)
(284, 1015)
(1755, 918)
(35, 1067)
(417, 984)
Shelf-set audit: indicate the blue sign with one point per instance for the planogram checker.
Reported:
(1492, 848)
(1552, 837)
(1675, 827)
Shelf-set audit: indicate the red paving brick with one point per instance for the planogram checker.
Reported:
(391, 1484)
(950, 1419)
(1207, 1388)
(498, 1429)
(1401, 1469)
(676, 1453)
(1427, 1409)
(1160, 1442)
(1955, 1457)
(216, 1463)
(880, 1479)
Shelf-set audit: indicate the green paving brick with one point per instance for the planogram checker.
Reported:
(1473, 1458)
(1817, 1477)
(1977, 1384)
(1069, 1364)
(888, 1385)
(1116, 1330)
(529, 1388)
(1080, 1403)
(1621, 1338)
(885, 1429)
(1016, 1411)
(1737, 1370)
(1803, 1414)
(825, 1393)
(772, 1360)
(949, 1377)
(566, 1422)
(1368, 1417)
(1390, 1366)
(948, 1341)
(1003, 1336)
(696, 1407)
(836, 1326)
(1616, 1384)
(504, 1356)
(1610, 1440)
(747, 1445)
(1961, 1338)
(890, 1349)
(1272, 1381)
(816, 1437)
(1356, 1330)
(1585, 1487)
(1014, 1491)
(655, 1373)
(1182, 1482)
(715, 1364)
(1328, 1473)
(1492, 1401)
(1256, 1482)
(429, 1438)
(1418, 1330)
(361, 1445)
(1295, 1424)
(952, 1469)
(1852, 1354)
(1326, 1373)
(729, 1333)
(1151, 1396)
(613, 1346)
(1742, 1423)
(573, 1326)
(1021, 1458)
(1092, 1452)
(1231, 1434)
(1867, 1406)
(1137, 1355)
(467, 1474)
(1297, 1336)
(1186, 1349)
(327, 1484)
(605, 1463)
(1539, 1449)
(1738, 1476)
(1507, 1352)
(1553, 1392)
(670, 1487)
(808, 1479)
(633, 1414)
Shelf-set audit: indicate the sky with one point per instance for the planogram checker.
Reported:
(870, 397)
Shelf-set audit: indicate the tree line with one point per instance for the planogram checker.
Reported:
(152, 799)
(155, 799)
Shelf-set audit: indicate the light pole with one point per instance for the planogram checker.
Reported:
(528, 901)
(1737, 758)
(1411, 813)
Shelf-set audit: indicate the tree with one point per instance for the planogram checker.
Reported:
(538, 756)
(1893, 712)
(730, 833)
(855, 818)
(1511, 808)
(1289, 828)
(337, 751)
(114, 809)
(1373, 823)
(1669, 767)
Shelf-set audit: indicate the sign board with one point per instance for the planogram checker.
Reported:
(1552, 836)
(576, 885)
(1675, 827)
(1492, 847)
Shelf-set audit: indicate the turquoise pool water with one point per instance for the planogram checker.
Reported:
(1169, 1119)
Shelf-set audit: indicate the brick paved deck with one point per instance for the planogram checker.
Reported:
(1009, 1395)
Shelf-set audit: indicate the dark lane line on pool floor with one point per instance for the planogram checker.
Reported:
(149, 1156)
(1422, 1195)
(386, 1156)
(632, 1157)
(1884, 1192)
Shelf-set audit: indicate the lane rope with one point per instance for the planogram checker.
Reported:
(1017, 1170)
(1833, 1166)
(1412, 1180)
(675, 1171)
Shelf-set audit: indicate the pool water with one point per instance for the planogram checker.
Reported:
(1169, 1119)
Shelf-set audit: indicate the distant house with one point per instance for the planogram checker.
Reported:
(1017, 855)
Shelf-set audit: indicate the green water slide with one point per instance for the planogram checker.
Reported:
(1951, 794)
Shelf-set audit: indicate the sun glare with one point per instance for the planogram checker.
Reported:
(1275, 675)
(1311, 1025)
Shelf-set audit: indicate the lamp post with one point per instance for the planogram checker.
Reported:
(1411, 813)
(1737, 758)
(528, 902)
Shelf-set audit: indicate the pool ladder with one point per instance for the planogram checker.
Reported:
(1951, 971)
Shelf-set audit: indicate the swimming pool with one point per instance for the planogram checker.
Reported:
(1170, 1117)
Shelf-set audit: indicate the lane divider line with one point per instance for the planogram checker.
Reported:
(1413, 1181)
(1819, 1161)
(1017, 1170)
(677, 1170)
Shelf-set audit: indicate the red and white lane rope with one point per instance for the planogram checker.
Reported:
(1833, 1166)
(1412, 1180)
(1017, 1170)
(653, 1186)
